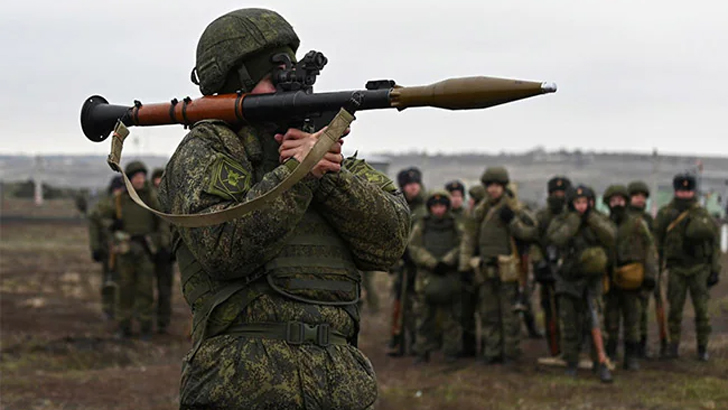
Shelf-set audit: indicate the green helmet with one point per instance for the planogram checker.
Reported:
(638, 187)
(135, 167)
(247, 36)
(438, 197)
(495, 174)
(477, 192)
(614, 190)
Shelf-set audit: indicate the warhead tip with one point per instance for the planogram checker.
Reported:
(548, 87)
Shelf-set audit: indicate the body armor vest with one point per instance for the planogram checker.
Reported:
(440, 236)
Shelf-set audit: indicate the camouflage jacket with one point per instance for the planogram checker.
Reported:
(687, 243)
(572, 234)
(649, 220)
(99, 224)
(137, 221)
(487, 236)
(634, 243)
(215, 168)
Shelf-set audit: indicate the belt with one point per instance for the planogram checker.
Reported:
(294, 333)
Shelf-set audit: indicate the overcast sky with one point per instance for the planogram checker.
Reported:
(632, 75)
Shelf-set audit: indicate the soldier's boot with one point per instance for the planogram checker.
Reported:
(672, 351)
(533, 332)
(611, 350)
(605, 375)
(703, 353)
(663, 348)
(630, 356)
(469, 342)
(642, 347)
(572, 369)
(422, 358)
(396, 346)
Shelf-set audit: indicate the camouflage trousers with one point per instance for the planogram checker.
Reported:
(644, 301)
(435, 322)
(245, 373)
(163, 269)
(409, 318)
(136, 288)
(574, 313)
(678, 286)
(108, 289)
(500, 323)
(469, 304)
(623, 306)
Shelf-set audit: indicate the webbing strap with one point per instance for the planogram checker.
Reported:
(320, 284)
(294, 333)
(328, 138)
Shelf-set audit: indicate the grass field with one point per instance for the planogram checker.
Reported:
(58, 352)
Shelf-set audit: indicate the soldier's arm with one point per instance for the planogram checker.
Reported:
(469, 242)
(95, 230)
(605, 230)
(523, 227)
(162, 228)
(369, 213)
(650, 257)
(192, 186)
(563, 228)
(416, 248)
(659, 227)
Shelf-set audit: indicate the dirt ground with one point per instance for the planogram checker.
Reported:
(57, 351)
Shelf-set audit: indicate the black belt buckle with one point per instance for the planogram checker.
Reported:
(295, 333)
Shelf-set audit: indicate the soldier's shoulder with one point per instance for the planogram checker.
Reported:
(361, 168)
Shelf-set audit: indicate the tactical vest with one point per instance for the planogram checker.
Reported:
(439, 236)
(315, 266)
(682, 246)
(494, 237)
(630, 244)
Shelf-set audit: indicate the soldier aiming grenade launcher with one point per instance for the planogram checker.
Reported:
(293, 105)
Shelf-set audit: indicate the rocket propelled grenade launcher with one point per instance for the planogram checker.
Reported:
(294, 104)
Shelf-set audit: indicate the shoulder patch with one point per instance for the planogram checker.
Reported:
(229, 179)
(360, 168)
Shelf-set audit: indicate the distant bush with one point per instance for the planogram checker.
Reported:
(26, 189)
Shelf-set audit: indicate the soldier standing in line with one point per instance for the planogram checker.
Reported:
(164, 272)
(633, 271)
(584, 239)
(639, 192)
(545, 256)
(491, 233)
(434, 247)
(403, 317)
(100, 238)
(138, 234)
(456, 189)
(688, 244)
(477, 194)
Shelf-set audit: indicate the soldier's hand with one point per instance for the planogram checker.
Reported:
(506, 214)
(713, 279)
(649, 283)
(297, 144)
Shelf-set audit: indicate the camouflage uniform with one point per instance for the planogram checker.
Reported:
(488, 234)
(633, 244)
(434, 247)
(164, 273)
(274, 292)
(544, 258)
(580, 239)
(634, 188)
(137, 236)
(404, 342)
(688, 244)
(100, 239)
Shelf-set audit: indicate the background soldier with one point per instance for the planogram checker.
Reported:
(434, 247)
(634, 269)
(545, 258)
(100, 238)
(403, 317)
(456, 189)
(638, 194)
(688, 244)
(163, 264)
(137, 235)
(584, 239)
(491, 233)
(476, 194)
(274, 292)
